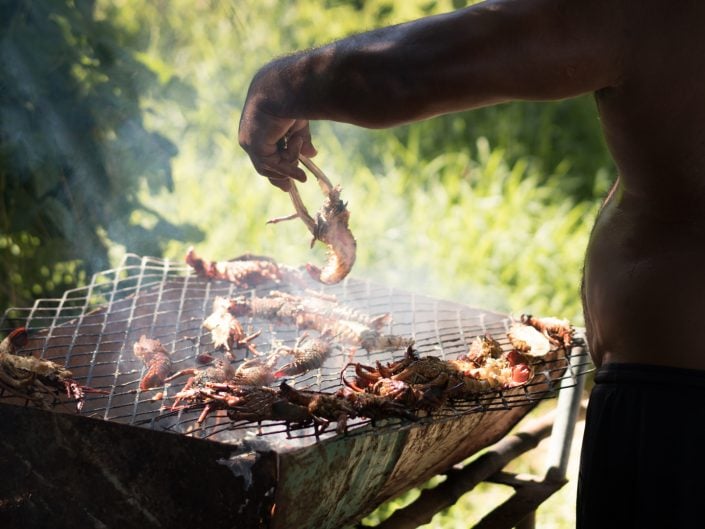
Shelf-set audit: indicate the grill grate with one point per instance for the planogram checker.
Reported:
(92, 330)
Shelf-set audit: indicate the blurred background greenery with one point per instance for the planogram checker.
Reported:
(118, 124)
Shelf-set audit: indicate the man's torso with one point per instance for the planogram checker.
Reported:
(644, 281)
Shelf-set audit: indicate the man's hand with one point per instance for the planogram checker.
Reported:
(274, 143)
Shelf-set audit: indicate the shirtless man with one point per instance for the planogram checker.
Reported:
(644, 281)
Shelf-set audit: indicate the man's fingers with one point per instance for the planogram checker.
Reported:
(283, 184)
(280, 171)
(302, 136)
(291, 153)
(274, 145)
(307, 149)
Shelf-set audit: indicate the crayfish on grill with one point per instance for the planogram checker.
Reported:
(226, 330)
(318, 310)
(256, 403)
(245, 271)
(426, 382)
(558, 331)
(244, 402)
(35, 379)
(156, 359)
(346, 325)
(256, 371)
(330, 227)
(308, 352)
(219, 371)
(339, 407)
(541, 337)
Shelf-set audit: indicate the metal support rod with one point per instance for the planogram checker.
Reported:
(567, 409)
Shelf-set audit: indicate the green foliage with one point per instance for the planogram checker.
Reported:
(73, 146)
(477, 230)
(557, 137)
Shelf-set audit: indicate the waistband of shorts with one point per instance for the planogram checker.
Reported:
(650, 374)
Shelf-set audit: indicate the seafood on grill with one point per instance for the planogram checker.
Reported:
(538, 337)
(219, 371)
(418, 383)
(256, 371)
(245, 271)
(323, 408)
(558, 331)
(330, 227)
(156, 359)
(244, 402)
(258, 404)
(297, 408)
(482, 348)
(344, 324)
(226, 330)
(353, 333)
(328, 308)
(249, 403)
(338, 407)
(37, 380)
(377, 407)
(427, 382)
(278, 305)
(373, 341)
(308, 353)
(426, 397)
(405, 389)
(14, 341)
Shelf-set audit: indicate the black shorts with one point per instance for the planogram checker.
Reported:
(643, 457)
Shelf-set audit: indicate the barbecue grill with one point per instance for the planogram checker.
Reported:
(130, 460)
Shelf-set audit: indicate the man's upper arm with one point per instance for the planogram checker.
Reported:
(491, 52)
(566, 47)
(502, 50)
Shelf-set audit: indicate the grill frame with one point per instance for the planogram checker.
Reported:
(63, 330)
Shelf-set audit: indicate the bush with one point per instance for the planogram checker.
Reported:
(74, 149)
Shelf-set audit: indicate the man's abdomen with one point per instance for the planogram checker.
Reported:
(644, 290)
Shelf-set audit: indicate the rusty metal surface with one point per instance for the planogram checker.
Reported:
(300, 480)
(361, 472)
(66, 471)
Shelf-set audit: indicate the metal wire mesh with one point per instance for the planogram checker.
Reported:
(92, 331)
